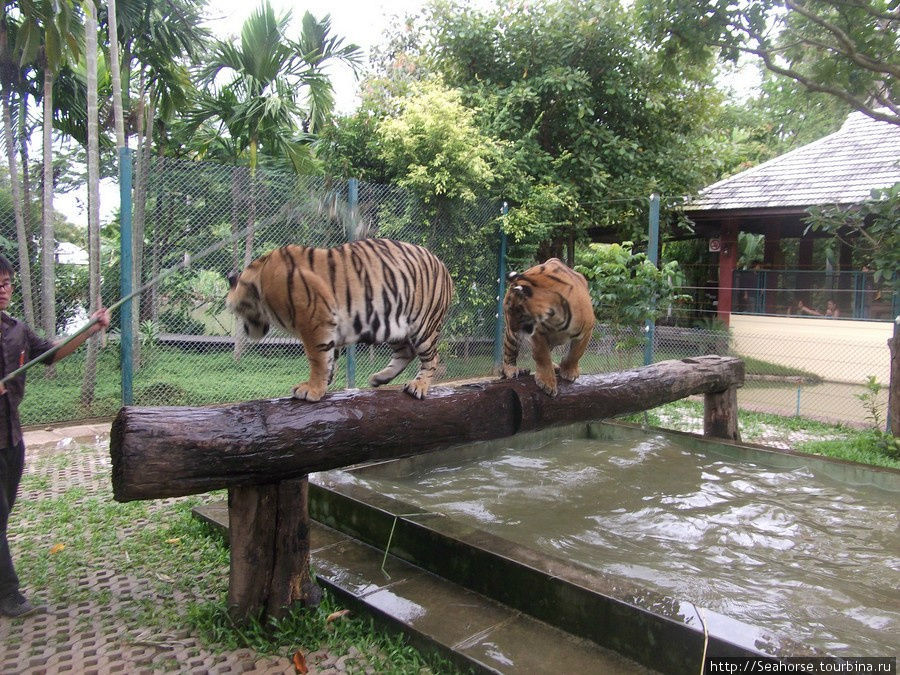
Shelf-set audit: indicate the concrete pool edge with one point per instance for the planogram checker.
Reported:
(610, 611)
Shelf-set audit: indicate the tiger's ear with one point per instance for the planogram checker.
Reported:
(512, 276)
(232, 279)
(524, 291)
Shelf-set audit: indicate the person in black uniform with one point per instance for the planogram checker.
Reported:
(19, 345)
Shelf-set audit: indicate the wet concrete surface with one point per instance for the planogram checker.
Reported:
(471, 629)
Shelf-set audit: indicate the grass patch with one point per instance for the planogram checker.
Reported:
(67, 542)
(767, 368)
(796, 433)
(868, 447)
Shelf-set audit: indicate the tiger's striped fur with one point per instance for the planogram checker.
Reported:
(370, 291)
(548, 304)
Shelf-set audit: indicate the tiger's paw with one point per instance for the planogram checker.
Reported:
(305, 392)
(547, 385)
(568, 374)
(416, 389)
(509, 371)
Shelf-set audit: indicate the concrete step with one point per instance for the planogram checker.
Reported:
(474, 631)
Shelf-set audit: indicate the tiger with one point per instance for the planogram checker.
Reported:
(368, 291)
(548, 304)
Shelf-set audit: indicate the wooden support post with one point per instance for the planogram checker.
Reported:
(720, 415)
(251, 537)
(291, 580)
(269, 539)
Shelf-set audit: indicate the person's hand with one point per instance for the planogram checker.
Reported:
(103, 318)
(2, 390)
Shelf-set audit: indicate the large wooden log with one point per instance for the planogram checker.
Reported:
(175, 451)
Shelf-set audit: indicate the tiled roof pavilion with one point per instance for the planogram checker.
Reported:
(773, 198)
(841, 168)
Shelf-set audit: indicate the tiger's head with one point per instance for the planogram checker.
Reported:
(245, 301)
(532, 299)
(541, 296)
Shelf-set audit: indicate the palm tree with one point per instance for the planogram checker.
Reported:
(258, 105)
(93, 163)
(11, 77)
(157, 38)
(60, 41)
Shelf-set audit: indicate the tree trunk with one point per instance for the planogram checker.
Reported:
(116, 77)
(48, 233)
(169, 451)
(894, 386)
(137, 223)
(93, 162)
(18, 213)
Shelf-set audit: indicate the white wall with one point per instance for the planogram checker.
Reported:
(837, 350)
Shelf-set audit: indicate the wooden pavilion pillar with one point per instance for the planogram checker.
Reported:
(728, 256)
(773, 261)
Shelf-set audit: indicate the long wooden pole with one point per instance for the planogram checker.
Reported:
(174, 451)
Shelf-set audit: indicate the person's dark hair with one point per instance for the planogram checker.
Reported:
(6, 267)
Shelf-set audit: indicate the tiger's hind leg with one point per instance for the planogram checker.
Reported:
(403, 354)
(428, 355)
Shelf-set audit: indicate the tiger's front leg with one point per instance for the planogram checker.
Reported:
(545, 375)
(321, 360)
(568, 368)
(510, 355)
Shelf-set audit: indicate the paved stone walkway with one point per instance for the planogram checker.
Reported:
(91, 636)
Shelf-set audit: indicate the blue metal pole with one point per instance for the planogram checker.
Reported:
(353, 202)
(653, 256)
(126, 282)
(501, 291)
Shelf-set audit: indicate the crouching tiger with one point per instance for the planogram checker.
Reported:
(549, 305)
(370, 291)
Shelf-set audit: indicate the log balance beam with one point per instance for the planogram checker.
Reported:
(263, 451)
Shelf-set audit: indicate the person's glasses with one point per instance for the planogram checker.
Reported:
(5, 285)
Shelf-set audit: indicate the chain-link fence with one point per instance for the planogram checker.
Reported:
(186, 353)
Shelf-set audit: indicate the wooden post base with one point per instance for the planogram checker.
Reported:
(720, 415)
(269, 538)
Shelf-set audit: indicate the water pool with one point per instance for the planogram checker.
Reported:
(805, 547)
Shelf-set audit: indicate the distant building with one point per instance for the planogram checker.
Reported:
(70, 254)
(772, 199)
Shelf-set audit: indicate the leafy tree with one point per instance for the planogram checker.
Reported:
(433, 147)
(627, 288)
(587, 112)
(872, 228)
(848, 50)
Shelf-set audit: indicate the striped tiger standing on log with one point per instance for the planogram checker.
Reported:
(369, 291)
(548, 305)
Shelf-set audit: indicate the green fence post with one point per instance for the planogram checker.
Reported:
(653, 256)
(501, 291)
(126, 283)
(353, 202)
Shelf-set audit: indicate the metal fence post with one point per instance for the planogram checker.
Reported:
(501, 291)
(353, 203)
(653, 256)
(125, 281)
